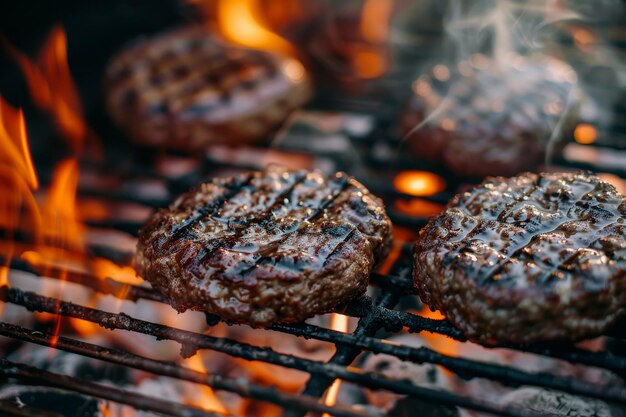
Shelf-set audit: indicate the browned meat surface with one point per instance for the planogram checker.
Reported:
(265, 247)
(487, 120)
(530, 258)
(186, 90)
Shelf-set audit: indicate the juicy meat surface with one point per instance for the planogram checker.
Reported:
(184, 89)
(530, 258)
(486, 119)
(265, 247)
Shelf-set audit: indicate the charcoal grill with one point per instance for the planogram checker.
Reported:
(374, 314)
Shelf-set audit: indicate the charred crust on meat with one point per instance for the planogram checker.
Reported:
(265, 247)
(531, 258)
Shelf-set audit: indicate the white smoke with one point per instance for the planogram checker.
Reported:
(503, 30)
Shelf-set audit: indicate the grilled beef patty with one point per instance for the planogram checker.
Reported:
(186, 90)
(265, 247)
(530, 258)
(488, 119)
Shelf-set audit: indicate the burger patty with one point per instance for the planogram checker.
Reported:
(531, 258)
(185, 90)
(265, 247)
(489, 118)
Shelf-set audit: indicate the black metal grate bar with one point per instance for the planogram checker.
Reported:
(139, 401)
(170, 369)
(191, 342)
(392, 320)
(466, 368)
(346, 353)
(463, 367)
(373, 316)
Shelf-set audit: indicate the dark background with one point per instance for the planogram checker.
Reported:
(95, 30)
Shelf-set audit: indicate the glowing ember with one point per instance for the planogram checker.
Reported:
(294, 70)
(204, 398)
(417, 207)
(448, 124)
(441, 72)
(239, 23)
(584, 38)
(585, 134)
(374, 25)
(52, 88)
(421, 87)
(419, 183)
(338, 322)
(369, 64)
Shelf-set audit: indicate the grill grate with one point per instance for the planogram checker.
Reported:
(374, 315)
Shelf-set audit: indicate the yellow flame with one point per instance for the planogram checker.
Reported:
(238, 23)
(207, 400)
(338, 322)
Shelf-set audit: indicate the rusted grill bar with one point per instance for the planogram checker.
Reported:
(172, 370)
(139, 401)
(191, 342)
(392, 320)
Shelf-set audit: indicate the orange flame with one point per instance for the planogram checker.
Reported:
(438, 342)
(103, 268)
(62, 225)
(84, 328)
(239, 22)
(104, 409)
(14, 142)
(204, 398)
(17, 178)
(55, 223)
(338, 322)
(419, 183)
(372, 62)
(52, 88)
